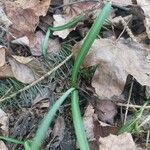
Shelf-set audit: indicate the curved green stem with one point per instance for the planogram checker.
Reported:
(37, 141)
(70, 24)
(78, 122)
(11, 140)
(89, 39)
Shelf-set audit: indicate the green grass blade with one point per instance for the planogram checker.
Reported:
(8, 139)
(89, 39)
(78, 123)
(42, 130)
(44, 45)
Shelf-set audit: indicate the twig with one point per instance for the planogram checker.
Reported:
(133, 106)
(147, 138)
(129, 97)
(38, 80)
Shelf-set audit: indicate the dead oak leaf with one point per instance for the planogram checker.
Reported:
(115, 61)
(3, 146)
(113, 142)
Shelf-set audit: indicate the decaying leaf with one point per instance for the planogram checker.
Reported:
(89, 122)
(4, 123)
(5, 71)
(4, 21)
(115, 61)
(70, 12)
(25, 16)
(145, 5)
(22, 41)
(21, 72)
(122, 3)
(58, 131)
(2, 56)
(3, 146)
(106, 110)
(113, 142)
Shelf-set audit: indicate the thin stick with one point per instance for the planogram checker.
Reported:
(38, 80)
(129, 97)
(133, 106)
(147, 138)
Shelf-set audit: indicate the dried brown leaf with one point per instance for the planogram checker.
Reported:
(3, 146)
(21, 72)
(4, 123)
(70, 12)
(115, 61)
(113, 142)
(145, 5)
(25, 16)
(5, 71)
(89, 122)
(4, 21)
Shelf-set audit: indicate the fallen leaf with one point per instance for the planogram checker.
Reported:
(39, 7)
(3, 146)
(58, 131)
(4, 21)
(122, 3)
(25, 16)
(32, 63)
(70, 12)
(44, 94)
(23, 60)
(114, 142)
(89, 122)
(106, 110)
(145, 5)
(115, 61)
(53, 45)
(21, 72)
(4, 123)
(22, 41)
(5, 71)
(2, 56)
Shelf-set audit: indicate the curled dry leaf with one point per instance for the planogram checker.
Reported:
(2, 56)
(145, 5)
(21, 72)
(70, 12)
(115, 61)
(4, 123)
(113, 142)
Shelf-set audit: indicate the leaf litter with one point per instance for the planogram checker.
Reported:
(114, 57)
